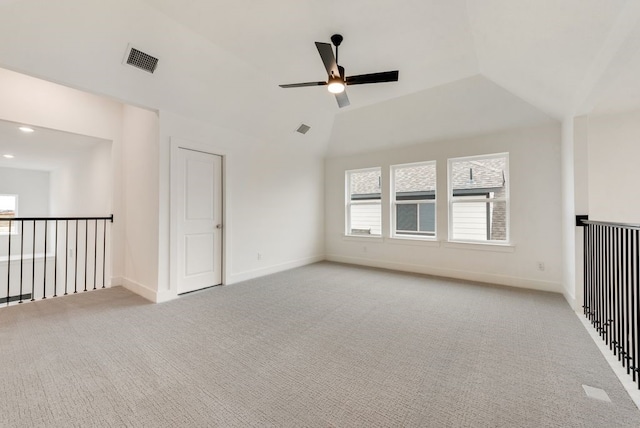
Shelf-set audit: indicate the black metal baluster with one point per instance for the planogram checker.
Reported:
(33, 264)
(610, 261)
(604, 284)
(9, 262)
(592, 270)
(44, 273)
(104, 250)
(617, 287)
(601, 280)
(609, 291)
(620, 293)
(611, 280)
(632, 314)
(75, 285)
(616, 301)
(637, 308)
(606, 290)
(95, 253)
(66, 256)
(625, 300)
(585, 269)
(55, 265)
(21, 255)
(86, 250)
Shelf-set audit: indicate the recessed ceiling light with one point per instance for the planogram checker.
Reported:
(8, 156)
(26, 129)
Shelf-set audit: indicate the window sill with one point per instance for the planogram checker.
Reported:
(361, 238)
(426, 242)
(15, 258)
(481, 246)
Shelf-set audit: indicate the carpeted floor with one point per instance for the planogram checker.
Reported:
(320, 346)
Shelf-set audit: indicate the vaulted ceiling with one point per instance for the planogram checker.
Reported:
(532, 61)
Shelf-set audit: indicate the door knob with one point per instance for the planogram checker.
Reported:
(218, 226)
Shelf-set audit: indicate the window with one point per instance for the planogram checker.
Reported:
(8, 209)
(364, 212)
(479, 198)
(414, 199)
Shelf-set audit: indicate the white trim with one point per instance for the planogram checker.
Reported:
(15, 258)
(363, 238)
(251, 274)
(451, 199)
(348, 202)
(483, 277)
(411, 240)
(480, 246)
(176, 144)
(625, 379)
(394, 202)
(139, 289)
(149, 294)
(571, 300)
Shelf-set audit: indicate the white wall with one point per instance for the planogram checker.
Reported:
(574, 202)
(140, 130)
(32, 188)
(82, 186)
(534, 169)
(33, 101)
(614, 150)
(274, 191)
(274, 200)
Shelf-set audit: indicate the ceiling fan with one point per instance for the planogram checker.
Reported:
(337, 81)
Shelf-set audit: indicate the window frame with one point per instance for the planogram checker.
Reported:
(475, 197)
(395, 202)
(349, 203)
(14, 229)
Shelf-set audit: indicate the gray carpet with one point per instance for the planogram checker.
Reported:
(321, 346)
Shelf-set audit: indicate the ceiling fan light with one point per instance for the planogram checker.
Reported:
(336, 85)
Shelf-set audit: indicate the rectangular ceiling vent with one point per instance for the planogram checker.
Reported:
(140, 60)
(303, 129)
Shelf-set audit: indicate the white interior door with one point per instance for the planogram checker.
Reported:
(199, 220)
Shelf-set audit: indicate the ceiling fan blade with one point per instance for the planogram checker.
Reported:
(328, 59)
(342, 99)
(300, 85)
(361, 79)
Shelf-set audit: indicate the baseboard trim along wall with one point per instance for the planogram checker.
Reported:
(626, 380)
(509, 281)
(149, 294)
(571, 300)
(244, 276)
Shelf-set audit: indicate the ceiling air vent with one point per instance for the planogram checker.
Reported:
(141, 60)
(303, 129)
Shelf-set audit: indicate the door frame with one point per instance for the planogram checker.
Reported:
(176, 145)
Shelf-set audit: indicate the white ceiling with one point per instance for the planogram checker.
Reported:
(44, 149)
(222, 61)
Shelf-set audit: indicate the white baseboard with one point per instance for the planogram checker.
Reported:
(244, 276)
(146, 292)
(165, 296)
(489, 278)
(626, 380)
(571, 300)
